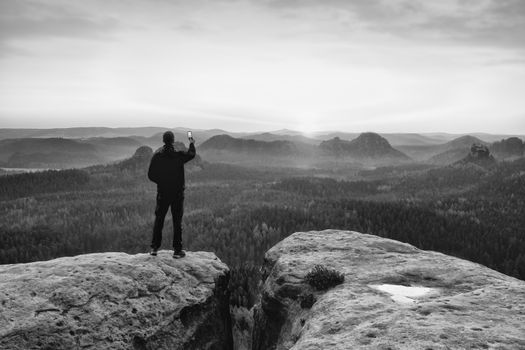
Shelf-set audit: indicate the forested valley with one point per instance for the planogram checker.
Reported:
(240, 212)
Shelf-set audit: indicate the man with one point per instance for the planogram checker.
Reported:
(166, 169)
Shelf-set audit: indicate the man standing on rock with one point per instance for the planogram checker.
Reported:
(166, 169)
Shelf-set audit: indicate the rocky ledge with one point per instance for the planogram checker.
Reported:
(116, 301)
(394, 296)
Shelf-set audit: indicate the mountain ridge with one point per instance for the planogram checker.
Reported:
(366, 145)
(228, 143)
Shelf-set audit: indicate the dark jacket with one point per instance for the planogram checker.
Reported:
(166, 168)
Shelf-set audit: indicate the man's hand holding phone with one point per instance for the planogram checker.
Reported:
(190, 137)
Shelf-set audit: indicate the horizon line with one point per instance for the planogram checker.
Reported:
(304, 133)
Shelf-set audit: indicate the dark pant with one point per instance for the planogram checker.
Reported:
(164, 201)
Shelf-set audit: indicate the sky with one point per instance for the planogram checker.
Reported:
(258, 65)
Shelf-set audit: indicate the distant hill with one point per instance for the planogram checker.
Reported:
(448, 157)
(47, 153)
(508, 148)
(29, 145)
(59, 153)
(52, 160)
(286, 132)
(98, 145)
(181, 135)
(238, 145)
(138, 162)
(64, 153)
(479, 155)
(112, 148)
(155, 141)
(463, 142)
(348, 136)
(397, 139)
(485, 137)
(74, 133)
(494, 137)
(269, 137)
(454, 150)
(112, 141)
(393, 138)
(366, 146)
(95, 132)
(444, 153)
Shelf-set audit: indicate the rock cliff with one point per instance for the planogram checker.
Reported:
(394, 296)
(479, 155)
(116, 301)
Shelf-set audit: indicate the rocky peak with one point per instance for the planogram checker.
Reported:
(479, 151)
(394, 296)
(143, 152)
(139, 161)
(479, 155)
(371, 140)
(116, 301)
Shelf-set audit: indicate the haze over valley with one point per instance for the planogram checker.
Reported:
(78, 147)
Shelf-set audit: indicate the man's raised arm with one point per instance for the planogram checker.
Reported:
(190, 154)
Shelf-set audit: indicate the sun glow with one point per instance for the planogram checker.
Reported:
(308, 129)
(179, 63)
(307, 125)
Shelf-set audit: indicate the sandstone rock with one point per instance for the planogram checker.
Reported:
(479, 156)
(479, 151)
(116, 301)
(462, 305)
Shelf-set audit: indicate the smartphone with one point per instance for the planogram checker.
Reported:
(189, 135)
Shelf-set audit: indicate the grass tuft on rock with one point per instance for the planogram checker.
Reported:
(323, 278)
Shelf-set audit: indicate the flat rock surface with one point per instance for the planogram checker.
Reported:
(116, 301)
(462, 305)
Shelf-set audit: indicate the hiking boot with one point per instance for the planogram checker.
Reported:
(153, 252)
(177, 254)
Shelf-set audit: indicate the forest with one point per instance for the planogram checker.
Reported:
(240, 212)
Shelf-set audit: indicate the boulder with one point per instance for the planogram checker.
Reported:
(394, 296)
(116, 301)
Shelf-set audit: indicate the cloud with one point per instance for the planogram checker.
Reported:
(272, 61)
(25, 20)
(471, 22)
(76, 27)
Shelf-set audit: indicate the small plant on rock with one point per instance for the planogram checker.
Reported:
(323, 278)
(306, 300)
